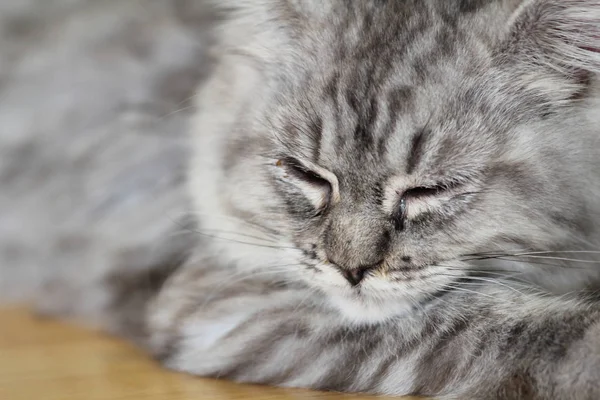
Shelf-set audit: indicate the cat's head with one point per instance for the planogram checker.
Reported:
(375, 148)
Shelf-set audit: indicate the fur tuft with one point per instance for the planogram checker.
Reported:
(563, 35)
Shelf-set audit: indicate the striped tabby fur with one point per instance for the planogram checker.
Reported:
(394, 196)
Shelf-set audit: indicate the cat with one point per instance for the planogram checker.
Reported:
(392, 197)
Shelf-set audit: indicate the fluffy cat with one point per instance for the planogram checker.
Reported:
(396, 197)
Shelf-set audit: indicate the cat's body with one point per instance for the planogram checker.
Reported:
(494, 344)
(394, 197)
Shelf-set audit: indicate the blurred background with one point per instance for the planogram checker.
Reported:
(94, 101)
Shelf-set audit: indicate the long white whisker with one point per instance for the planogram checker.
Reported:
(460, 288)
(245, 275)
(275, 247)
(260, 228)
(557, 258)
(267, 240)
(491, 281)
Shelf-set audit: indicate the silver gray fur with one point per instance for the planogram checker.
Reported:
(478, 119)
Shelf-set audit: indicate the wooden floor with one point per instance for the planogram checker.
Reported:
(41, 359)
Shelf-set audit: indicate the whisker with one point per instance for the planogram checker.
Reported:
(244, 275)
(311, 291)
(462, 289)
(178, 110)
(558, 258)
(537, 252)
(511, 276)
(526, 259)
(269, 240)
(276, 247)
(498, 272)
(185, 228)
(251, 224)
(484, 280)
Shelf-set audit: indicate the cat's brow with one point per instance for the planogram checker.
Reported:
(416, 150)
(316, 129)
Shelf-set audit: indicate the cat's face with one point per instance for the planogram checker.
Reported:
(379, 170)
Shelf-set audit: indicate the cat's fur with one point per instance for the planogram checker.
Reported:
(492, 106)
(379, 97)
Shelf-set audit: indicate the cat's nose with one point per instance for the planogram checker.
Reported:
(355, 275)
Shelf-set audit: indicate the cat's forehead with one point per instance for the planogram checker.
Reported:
(357, 120)
(409, 95)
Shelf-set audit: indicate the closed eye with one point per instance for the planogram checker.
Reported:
(315, 187)
(299, 171)
(423, 191)
(434, 189)
(418, 200)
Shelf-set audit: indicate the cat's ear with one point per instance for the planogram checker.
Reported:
(559, 37)
(265, 29)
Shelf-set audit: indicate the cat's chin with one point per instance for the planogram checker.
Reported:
(361, 309)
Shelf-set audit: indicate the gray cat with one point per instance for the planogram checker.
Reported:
(397, 197)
